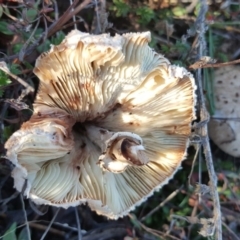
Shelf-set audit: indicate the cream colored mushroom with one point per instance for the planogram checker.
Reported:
(224, 126)
(113, 124)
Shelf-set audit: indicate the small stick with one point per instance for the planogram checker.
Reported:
(231, 231)
(74, 17)
(67, 15)
(203, 130)
(78, 224)
(43, 227)
(25, 216)
(4, 68)
(200, 64)
(50, 224)
(171, 196)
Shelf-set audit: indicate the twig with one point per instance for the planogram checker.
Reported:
(45, 24)
(23, 49)
(200, 64)
(37, 224)
(100, 21)
(231, 231)
(68, 14)
(25, 216)
(193, 165)
(191, 7)
(56, 9)
(203, 130)
(6, 200)
(193, 214)
(98, 25)
(74, 17)
(111, 233)
(51, 230)
(36, 210)
(151, 231)
(50, 224)
(171, 196)
(55, 27)
(71, 24)
(78, 224)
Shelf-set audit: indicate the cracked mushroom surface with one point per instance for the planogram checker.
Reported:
(111, 124)
(224, 125)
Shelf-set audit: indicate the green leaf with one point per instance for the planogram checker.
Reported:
(58, 39)
(179, 63)
(4, 28)
(120, 7)
(23, 235)
(17, 47)
(7, 132)
(145, 14)
(165, 49)
(197, 9)
(10, 233)
(179, 11)
(14, 69)
(39, 32)
(232, 175)
(153, 42)
(44, 46)
(4, 80)
(222, 57)
(135, 222)
(31, 14)
(184, 202)
(28, 65)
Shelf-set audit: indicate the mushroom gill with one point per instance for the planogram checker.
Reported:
(111, 124)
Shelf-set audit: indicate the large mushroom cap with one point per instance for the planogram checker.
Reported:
(111, 124)
(224, 126)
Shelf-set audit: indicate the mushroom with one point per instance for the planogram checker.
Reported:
(224, 126)
(111, 124)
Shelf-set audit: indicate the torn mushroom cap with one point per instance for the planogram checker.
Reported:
(123, 149)
(46, 136)
(119, 150)
(133, 113)
(224, 126)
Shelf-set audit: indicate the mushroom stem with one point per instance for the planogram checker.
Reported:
(119, 149)
(98, 135)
